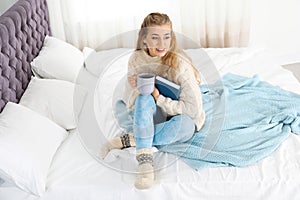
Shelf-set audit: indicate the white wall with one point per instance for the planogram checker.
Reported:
(276, 26)
(5, 4)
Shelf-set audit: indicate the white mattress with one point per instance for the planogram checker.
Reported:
(76, 174)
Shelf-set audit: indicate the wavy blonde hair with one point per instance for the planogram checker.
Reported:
(171, 57)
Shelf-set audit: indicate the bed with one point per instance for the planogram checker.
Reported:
(57, 109)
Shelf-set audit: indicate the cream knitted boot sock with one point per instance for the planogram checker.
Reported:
(123, 141)
(145, 177)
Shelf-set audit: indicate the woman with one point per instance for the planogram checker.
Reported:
(157, 53)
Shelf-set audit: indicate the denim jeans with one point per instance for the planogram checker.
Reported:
(179, 128)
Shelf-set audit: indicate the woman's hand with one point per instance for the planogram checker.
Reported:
(132, 80)
(155, 94)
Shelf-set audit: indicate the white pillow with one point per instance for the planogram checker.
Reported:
(28, 142)
(1, 181)
(97, 61)
(58, 59)
(61, 101)
(87, 51)
(210, 61)
(221, 57)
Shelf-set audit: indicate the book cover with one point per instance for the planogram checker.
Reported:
(167, 88)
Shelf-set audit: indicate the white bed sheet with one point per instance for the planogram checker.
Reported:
(75, 174)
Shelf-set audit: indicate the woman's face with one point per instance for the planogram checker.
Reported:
(158, 40)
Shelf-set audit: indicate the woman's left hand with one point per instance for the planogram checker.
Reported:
(132, 80)
(155, 94)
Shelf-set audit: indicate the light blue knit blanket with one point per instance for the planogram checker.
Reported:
(246, 120)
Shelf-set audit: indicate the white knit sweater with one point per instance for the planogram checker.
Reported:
(190, 99)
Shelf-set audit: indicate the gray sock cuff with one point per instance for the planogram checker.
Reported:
(144, 158)
(125, 139)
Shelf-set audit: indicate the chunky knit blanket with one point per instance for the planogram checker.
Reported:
(246, 120)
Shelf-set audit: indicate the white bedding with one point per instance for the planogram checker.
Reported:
(75, 172)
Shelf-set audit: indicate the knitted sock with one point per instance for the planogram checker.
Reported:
(120, 142)
(145, 177)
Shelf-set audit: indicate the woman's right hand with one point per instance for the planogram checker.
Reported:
(132, 80)
(155, 93)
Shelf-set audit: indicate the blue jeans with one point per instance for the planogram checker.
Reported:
(179, 128)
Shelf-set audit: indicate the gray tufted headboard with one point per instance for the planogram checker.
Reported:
(23, 28)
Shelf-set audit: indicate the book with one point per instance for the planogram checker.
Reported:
(167, 88)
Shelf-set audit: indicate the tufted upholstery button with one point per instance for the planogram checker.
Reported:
(21, 28)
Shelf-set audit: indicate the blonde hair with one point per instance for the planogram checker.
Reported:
(171, 57)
